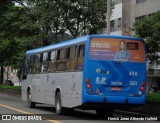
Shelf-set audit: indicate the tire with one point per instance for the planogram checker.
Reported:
(58, 104)
(29, 100)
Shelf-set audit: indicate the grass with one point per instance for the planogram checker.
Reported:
(153, 97)
(16, 88)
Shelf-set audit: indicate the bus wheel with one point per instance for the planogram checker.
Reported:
(29, 100)
(104, 113)
(58, 104)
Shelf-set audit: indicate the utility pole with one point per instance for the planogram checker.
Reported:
(108, 15)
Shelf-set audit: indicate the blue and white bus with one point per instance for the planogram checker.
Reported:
(97, 72)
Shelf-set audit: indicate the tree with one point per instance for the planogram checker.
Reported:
(149, 30)
(47, 15)
(15, 31)
(77, 17)
(14, 34)
(83, 17)
(27, 24)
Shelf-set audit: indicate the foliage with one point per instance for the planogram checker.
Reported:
(149, 30)
(153, 97)
(15, 36)
(76, 17)
(27, 24)
(84, 16)
(15, 88)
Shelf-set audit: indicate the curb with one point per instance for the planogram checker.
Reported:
(11, 94)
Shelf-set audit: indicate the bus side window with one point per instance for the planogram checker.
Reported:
(31, 64)
(24, 68)
(71, 58)
(44, 65)
(35, 62)
(61, 62)
(68, 52)
(58, 54)
(36, 68)
(81, 51)
(52, 62)
(27, 62)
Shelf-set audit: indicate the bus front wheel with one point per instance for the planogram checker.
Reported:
(29, 100)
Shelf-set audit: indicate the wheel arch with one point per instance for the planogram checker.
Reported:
(28, 88)
(58, 89)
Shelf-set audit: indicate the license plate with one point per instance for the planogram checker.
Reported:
(115, 88)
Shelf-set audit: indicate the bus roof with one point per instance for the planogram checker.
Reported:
(75, 41)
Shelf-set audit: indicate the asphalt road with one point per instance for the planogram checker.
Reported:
(12, 107)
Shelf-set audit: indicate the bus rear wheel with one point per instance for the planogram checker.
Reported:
(58, 104)
(29, 100)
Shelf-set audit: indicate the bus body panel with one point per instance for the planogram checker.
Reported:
(114, 81)
(103, 83)
(105, 75)
(25, 85)
(43, 87)
(70, 84)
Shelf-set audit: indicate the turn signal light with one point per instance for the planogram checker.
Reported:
(87, 80)
(143, 83)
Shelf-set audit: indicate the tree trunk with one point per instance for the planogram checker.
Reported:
(2, 77)
(7, 72)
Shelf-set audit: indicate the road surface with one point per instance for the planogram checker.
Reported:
(14, 109)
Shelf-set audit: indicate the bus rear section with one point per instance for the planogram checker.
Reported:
(115, 73)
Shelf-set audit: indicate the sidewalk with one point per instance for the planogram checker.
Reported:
(147, 110)
(136, 114)
(10, 92)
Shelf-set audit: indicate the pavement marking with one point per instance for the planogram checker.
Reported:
(24, 112)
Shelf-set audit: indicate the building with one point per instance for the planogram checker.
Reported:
(11, 74)
(124, 14)
(133, 10)
(116, 18)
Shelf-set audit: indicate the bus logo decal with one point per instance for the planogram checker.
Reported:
(101, 80)
(98, 70)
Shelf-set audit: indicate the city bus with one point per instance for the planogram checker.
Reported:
(93, 72)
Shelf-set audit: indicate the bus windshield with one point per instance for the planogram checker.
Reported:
(114, 49)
